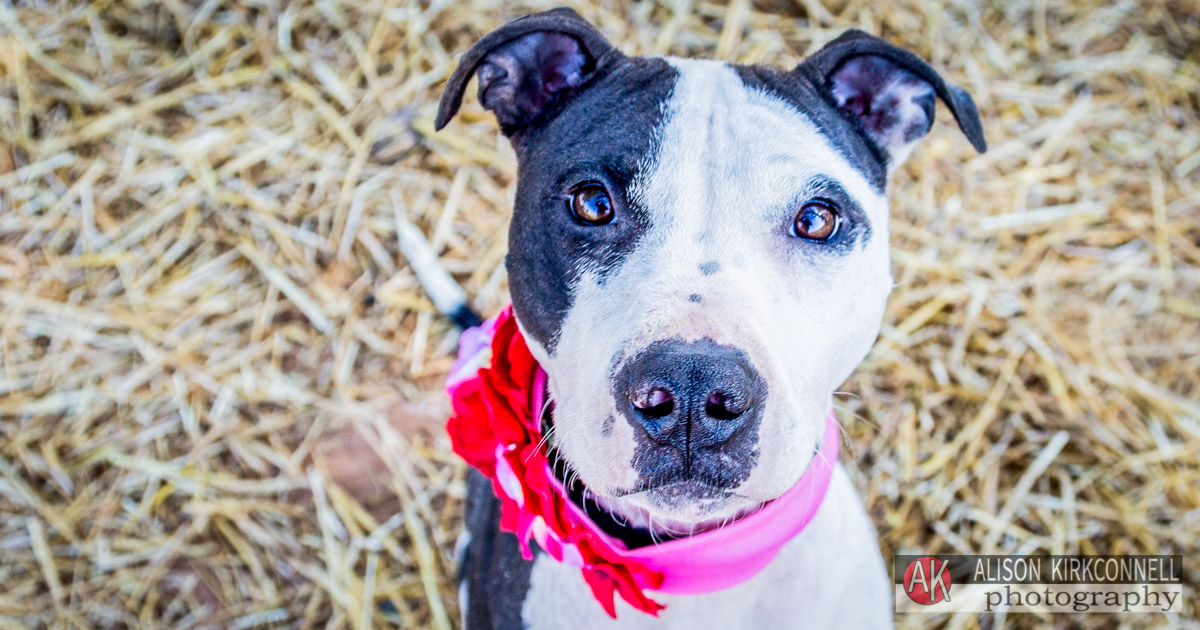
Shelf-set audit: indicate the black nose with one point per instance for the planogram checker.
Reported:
(690, 395)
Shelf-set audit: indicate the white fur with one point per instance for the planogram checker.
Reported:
(830, 576)
(731, 161)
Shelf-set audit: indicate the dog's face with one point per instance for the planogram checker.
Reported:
(699, 251)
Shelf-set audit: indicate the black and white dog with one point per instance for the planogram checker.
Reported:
(698, 258)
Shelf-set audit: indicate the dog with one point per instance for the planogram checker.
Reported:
(698, 257)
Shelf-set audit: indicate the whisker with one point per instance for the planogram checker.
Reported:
(540, 444)
(856, 416)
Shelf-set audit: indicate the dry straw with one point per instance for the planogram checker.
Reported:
(220, 384)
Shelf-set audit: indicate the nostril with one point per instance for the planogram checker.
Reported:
(720, 407)
(655, 402)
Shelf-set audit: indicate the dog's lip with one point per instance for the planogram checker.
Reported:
(662, 526)
(613, 506)
(698, 486)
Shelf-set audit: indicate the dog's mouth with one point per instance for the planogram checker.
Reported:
(623, 518)
(621, 515)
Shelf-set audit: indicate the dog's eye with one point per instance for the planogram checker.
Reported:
(590, 204)
(816, 221)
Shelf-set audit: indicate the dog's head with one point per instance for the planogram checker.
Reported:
(699, 251)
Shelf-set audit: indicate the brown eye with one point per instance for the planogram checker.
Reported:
(590, 205)
(816, 221)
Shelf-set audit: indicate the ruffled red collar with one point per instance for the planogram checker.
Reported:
(498, 398)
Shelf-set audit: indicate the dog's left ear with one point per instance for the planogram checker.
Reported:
(889, 92)
(528, 68)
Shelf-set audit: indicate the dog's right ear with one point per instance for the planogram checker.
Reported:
(528, 68)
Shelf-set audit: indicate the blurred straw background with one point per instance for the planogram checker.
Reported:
(220, 384)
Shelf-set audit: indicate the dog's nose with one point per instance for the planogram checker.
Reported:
(691, 395)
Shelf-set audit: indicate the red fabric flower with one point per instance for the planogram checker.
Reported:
(495, 430)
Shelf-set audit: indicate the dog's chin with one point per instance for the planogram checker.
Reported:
(676, 510)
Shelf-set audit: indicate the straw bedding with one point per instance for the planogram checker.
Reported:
(220, 383)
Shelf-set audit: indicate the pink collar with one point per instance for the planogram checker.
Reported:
(535, 504)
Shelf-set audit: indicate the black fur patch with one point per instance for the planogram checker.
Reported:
(493, 572)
